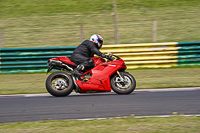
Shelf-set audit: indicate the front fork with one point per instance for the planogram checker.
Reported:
(121, 75)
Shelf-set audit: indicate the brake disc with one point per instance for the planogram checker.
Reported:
(123, 84)
(60, 84)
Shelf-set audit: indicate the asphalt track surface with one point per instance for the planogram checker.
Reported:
(15, 108)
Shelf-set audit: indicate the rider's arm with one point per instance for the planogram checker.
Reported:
(95, 50)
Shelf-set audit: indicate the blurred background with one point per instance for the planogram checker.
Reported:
(50, 23)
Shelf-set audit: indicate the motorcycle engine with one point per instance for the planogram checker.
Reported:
(87, 76)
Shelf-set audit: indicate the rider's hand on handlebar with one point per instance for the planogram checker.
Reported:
(109, 57)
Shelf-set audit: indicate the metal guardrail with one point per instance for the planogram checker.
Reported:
(20, 60)
(146, 55)
(155, 55)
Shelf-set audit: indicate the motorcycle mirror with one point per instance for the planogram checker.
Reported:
(110, 54)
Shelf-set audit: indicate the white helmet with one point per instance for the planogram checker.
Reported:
(97, 39)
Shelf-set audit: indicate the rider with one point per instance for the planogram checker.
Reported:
(81, 55)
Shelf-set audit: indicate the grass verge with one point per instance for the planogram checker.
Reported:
(175, 124)
(145, 78)
(49, 23)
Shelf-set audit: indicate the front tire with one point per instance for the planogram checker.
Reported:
(59, 84)
(123, 87)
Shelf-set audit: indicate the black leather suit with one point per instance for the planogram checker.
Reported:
(82, 54)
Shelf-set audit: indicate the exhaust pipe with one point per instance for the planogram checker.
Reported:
(55, 63)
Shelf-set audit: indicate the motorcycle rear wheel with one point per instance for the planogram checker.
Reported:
(59, 84)
(123, 87)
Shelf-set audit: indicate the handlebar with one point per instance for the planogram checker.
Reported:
(112, 57)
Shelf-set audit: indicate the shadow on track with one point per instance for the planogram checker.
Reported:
(92, 94)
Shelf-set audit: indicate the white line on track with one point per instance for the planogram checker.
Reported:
(139, 90)
(139, 117)
(169, 89)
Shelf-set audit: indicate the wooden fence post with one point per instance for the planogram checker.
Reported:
(115, 22)
(154, 31)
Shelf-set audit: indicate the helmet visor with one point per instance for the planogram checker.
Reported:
(100, 41)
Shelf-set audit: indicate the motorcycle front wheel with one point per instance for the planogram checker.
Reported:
(123, 86)
(59, 84)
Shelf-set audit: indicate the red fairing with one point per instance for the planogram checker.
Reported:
(100, 79)
(98, 60)
(63, 59)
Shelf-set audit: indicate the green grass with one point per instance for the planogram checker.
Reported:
(145, 78)
(24, 8)
(175, 124)
(177, 21)
(166, 78)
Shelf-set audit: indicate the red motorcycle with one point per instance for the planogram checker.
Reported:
(103, 77)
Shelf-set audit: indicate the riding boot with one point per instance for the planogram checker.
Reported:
(77, 69)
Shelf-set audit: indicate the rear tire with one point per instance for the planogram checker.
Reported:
(126, 87)
(59, 84)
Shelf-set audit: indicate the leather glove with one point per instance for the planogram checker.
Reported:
(103, 55)
(109, 57)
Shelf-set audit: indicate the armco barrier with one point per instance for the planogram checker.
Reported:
(189, 53)
(146, 55)
(19, 60)
(150, 55)
(156, 55)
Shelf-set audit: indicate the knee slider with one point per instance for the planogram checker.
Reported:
(80, 67)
